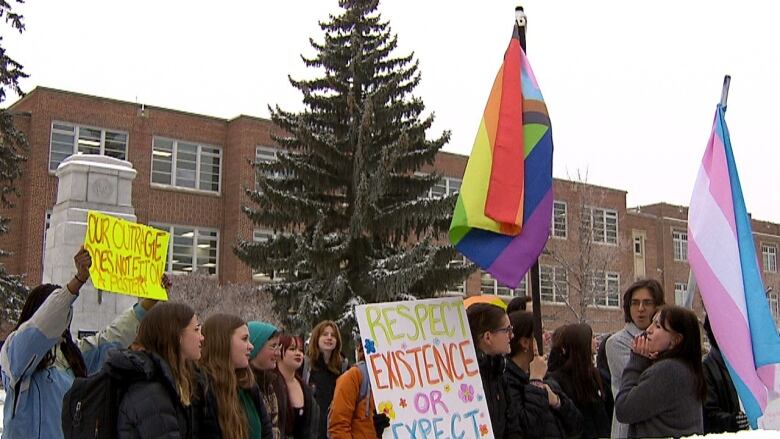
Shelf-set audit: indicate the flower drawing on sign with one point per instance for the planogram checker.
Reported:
(386, 407)
(369, 345)
(402, 403)
(483, 429)
(466, 393)
(447, 388)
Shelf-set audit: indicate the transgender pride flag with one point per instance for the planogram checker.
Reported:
(502, 217)
(723, 258)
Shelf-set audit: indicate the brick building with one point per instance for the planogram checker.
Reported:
(192, 171)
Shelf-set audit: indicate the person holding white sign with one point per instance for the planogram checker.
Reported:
(492, 332)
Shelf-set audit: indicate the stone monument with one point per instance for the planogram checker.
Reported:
(87, 182)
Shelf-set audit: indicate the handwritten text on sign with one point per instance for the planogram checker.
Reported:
(423, 367)
(127, 258)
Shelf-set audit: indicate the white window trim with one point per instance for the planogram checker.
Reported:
(605, 210)
(767, 254)
(496, 286)
(77, 127)
(682, 291)
(603, 305)
(555, 269)
(169, 228)
(565, 220)
(684, 256)
(174, 156)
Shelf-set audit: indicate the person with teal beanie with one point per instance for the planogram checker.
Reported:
(265, 353)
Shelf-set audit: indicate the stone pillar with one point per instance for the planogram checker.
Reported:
(87, 182)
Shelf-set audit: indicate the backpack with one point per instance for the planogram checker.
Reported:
(91, 407)
(365, 389)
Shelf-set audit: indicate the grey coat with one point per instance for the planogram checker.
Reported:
(658, 399)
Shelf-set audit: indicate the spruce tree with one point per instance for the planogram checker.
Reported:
(345, 196)
(12, 144)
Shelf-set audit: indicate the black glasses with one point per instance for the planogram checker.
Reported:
(647, 303)
(507, 330)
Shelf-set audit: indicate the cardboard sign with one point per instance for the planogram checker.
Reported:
(127, 258)
(423, 369)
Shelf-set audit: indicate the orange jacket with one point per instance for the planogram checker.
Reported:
(349, 418)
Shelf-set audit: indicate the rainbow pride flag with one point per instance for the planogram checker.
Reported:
(502, 217)
(723, 259)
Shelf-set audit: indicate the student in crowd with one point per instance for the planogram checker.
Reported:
(352, 414)
(39, 359)
(721, 407)
(640, 301)
(232, 396)
(580, 380)
(265, 354)
(606, 377)
(301, 411)
(165, 398)
(492, 333)
(519, 303)
(663, 384)
(323, 364)
(545, 410)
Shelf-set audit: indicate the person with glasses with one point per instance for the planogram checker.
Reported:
(266, 352)
(491, 332)
(640, 302)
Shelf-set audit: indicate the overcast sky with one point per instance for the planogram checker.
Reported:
(631, 86)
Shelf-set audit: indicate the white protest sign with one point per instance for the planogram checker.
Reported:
(423, 369)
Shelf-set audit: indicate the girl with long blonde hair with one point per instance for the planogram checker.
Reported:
(232, 395)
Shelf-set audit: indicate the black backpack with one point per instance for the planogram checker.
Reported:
(91, 407)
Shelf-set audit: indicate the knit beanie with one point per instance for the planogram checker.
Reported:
(259, 334)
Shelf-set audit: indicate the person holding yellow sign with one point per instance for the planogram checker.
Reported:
(39, 359)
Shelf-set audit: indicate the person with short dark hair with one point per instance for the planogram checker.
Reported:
(663, 386)
(640, 301)
(519, 303)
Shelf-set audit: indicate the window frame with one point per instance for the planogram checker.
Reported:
(497, 290)
(679, 294)
(564, 218)
(77, 127)
(194, 246)
(555, 284)
(605, 212)
(606, 275)
(174, 164)
(769, 258)
(678, 241)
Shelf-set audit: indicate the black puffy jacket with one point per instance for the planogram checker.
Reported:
(596, 421)
(150, 407)
(532, 405)
(503, 417)
(721, 405)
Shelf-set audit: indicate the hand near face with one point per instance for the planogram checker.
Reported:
(641, 347)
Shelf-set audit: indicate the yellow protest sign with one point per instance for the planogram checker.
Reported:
(127, 258)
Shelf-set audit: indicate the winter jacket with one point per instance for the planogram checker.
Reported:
(532, 405)
(274, 393)
(596, 421)
(305, 424)
(211, 413)
(348, 417)
(503, 417)
(323, 383)
(618, 352)
(151, 407)
(722, 405)
(658, 399)
(33, 403)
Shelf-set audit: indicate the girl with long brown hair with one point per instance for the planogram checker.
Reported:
(232, 395)
(324, 363)
(579, 379)
(165, 397)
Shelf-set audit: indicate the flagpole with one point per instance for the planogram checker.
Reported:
(533, 286)
(690, 292)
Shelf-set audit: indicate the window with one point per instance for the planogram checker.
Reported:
(772, 297)
(461, 287)
(606, 288)
(680, 289)
(192, 249)
(444, 187)
(262, 236)
(639, 246)
(68, 139)
(186, 164)
(554, 285)
(559, 229)
(680, 245)
(489, 285)
(266, 154)
(603, 224)
(769, 253)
